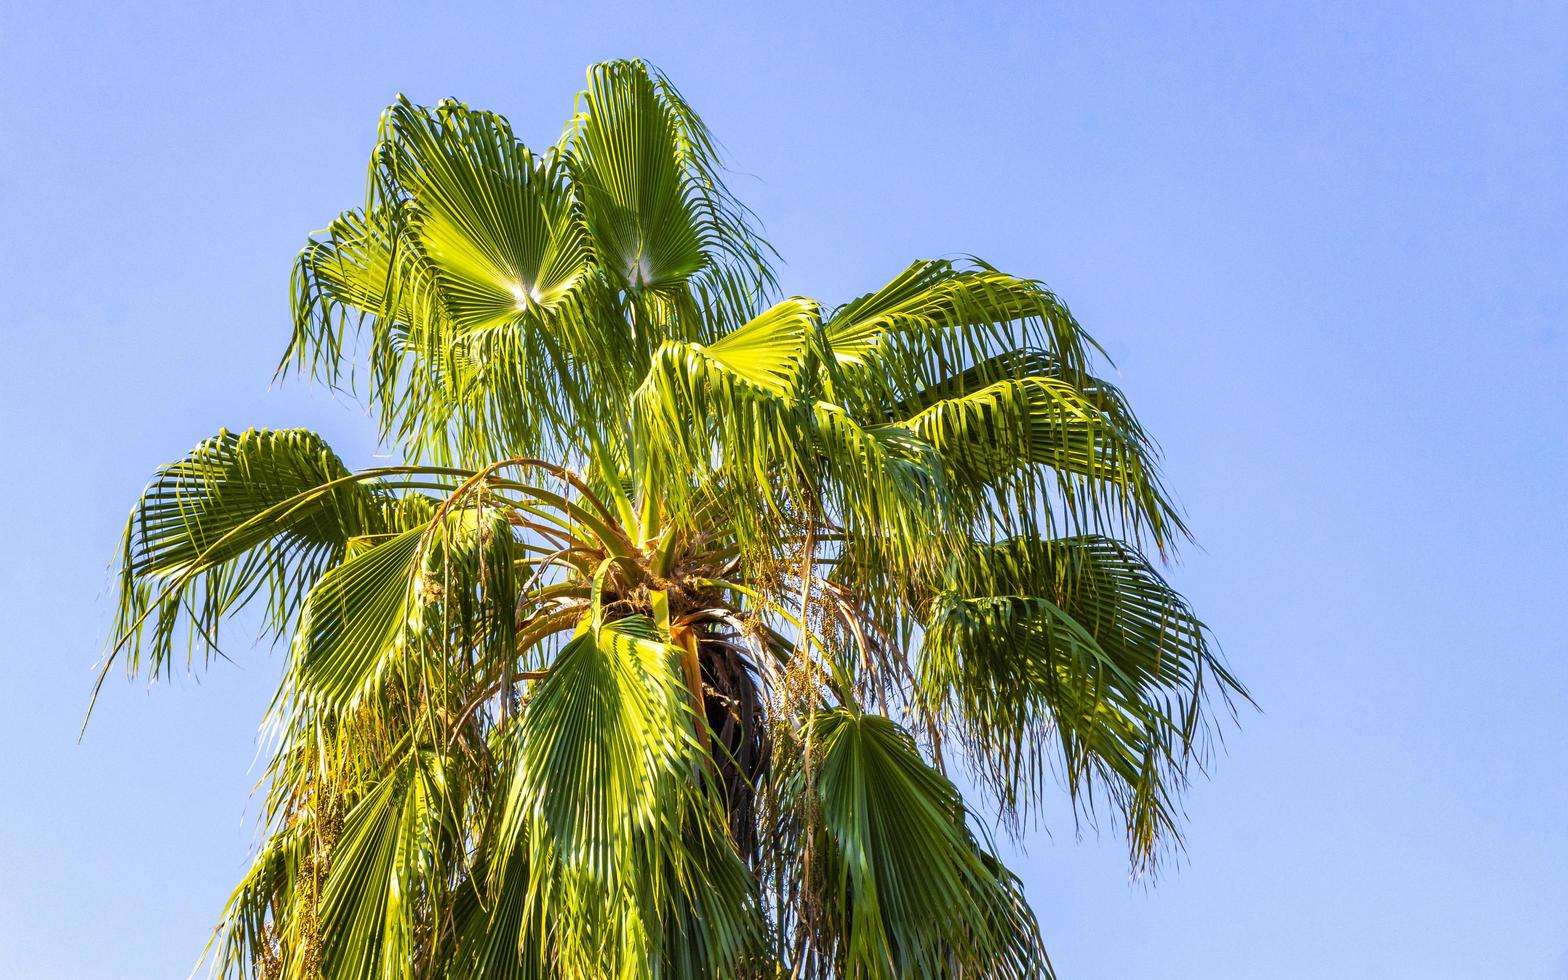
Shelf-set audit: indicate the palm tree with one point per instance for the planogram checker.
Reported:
(650, 661)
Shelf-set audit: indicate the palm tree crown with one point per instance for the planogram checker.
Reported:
(649, 661)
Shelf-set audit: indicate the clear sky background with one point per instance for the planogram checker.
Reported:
(1326, 243)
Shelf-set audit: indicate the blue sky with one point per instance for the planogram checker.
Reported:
(1325, 243)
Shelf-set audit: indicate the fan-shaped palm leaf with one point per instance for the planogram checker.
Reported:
(902, 889)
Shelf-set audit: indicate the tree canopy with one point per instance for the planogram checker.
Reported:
(653, 657)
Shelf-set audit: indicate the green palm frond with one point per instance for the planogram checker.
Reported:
(1045, 439)
(357, 618)
(495, 224)
(736, 421)
(937, 318)
(345, 273)
(510, 296)
(634, 169)
(902, 888)
(254, 939)
(625, 848)
(1079, 644)
(617, 676)
(653, 194)
(388, 879)
(259, 512)
(770, 350)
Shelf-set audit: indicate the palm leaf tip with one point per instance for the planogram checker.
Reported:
(258, 512)
(1074, 656)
